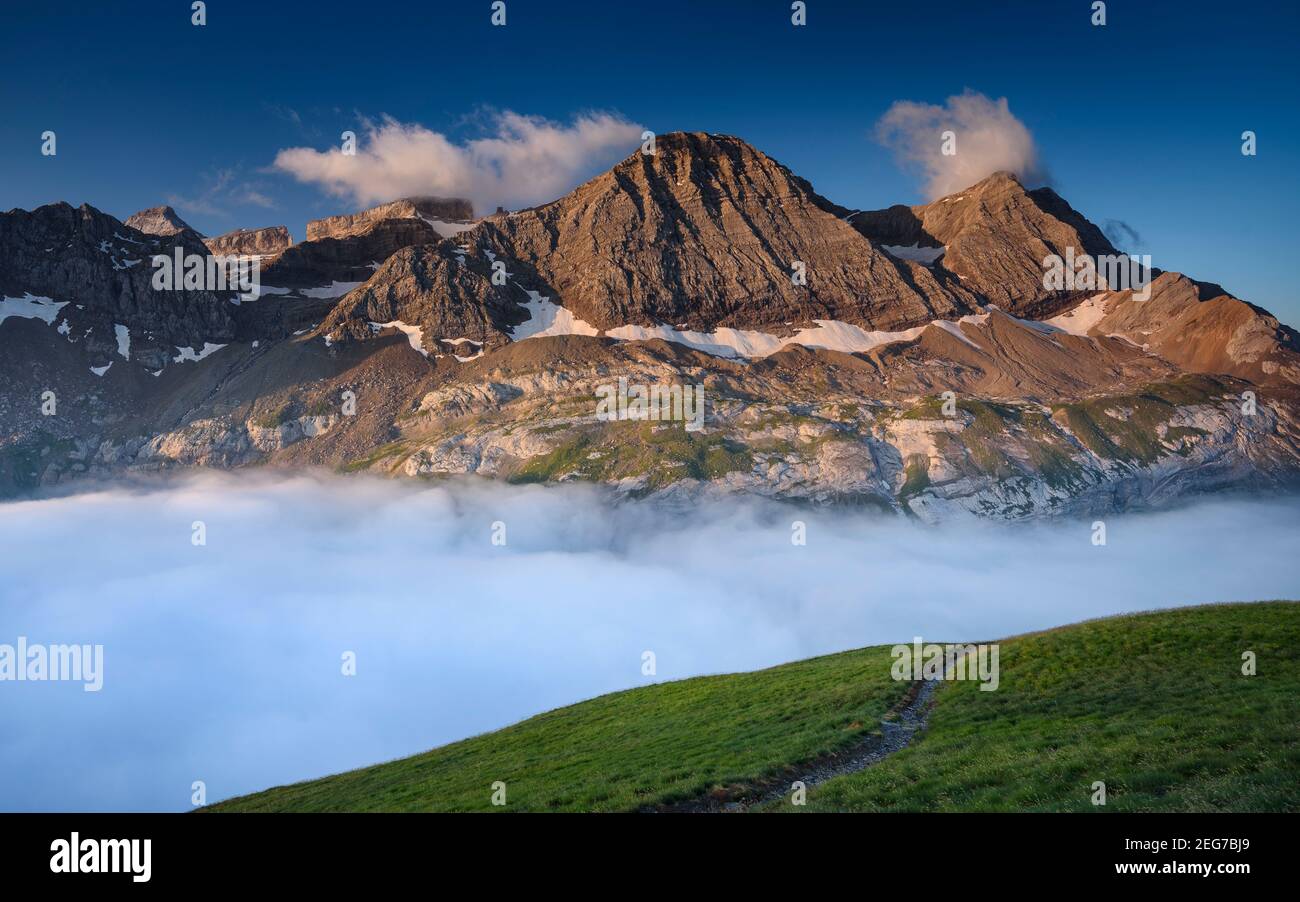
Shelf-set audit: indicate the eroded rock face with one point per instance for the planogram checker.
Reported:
(708, 232)
(1142, 444)
(1060, 404)
(103, 269)
(351, 258)
(1202, 329)
(162, 220)
(251, 242)
(435, 290)
(443, 209)
(214, 442)
(996, 235)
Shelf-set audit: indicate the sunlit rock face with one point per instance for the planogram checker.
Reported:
(912, 359)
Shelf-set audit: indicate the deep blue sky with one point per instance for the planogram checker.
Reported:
(1138, 120)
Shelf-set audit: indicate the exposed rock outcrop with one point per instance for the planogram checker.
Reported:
(161, 220)
(262, 242)
(101, 269)
(710, 232)
(950, 384)
(434, 291)
(444, 210)
(995, 236)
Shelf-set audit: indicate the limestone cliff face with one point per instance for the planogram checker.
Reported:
(1202, 329)
(263, 242)
(477, 348)
(995, 235)
(710, 232)
(102, 269)
(443, 209)
(161, 220)
(433, 289)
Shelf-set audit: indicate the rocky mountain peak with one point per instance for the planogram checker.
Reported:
(160, 220)
(996, 235)
(710, 232)
(433, 210)
(644, 269)
(87, 256)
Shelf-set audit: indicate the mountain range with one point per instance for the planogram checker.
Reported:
(909, 358)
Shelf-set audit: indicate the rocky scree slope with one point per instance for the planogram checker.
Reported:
(478, 349)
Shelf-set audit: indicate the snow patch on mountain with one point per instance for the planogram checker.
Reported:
(329, 292)
(123, 335)
(1081, 319)
(414, 334)
(447, 229)
(829, 335)
(955, 331)
(31, 306)
(188, 353)
(546, 318)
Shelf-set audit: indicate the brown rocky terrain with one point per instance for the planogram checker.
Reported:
(706, 232)
(100, 269)
(442, 209)
(162, 220)
(1202, 329)
(936, 384)
(431, 288)
(995, 235)
(264, 242)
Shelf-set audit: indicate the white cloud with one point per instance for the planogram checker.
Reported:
(526, 161)
(988, 139)
(222, 662)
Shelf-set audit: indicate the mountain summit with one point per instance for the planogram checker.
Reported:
(995, 235)
(709, 232)
(910, 357)
(161, 220)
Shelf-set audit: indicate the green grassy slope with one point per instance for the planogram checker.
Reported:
(1155, 705)
(647, 746)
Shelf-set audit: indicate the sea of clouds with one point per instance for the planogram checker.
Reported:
(222, 662)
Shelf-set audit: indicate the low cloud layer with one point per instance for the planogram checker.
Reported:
(222, 662)
(988, 139)
(526, 160)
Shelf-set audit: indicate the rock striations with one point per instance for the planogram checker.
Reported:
(910, 357)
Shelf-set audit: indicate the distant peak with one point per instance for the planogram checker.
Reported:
(1003, 175)
(1002, 180)
(160, 220)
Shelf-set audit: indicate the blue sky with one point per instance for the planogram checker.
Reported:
(1139, 120)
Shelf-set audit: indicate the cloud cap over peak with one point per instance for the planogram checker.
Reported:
(524, 161)
(987, 138)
